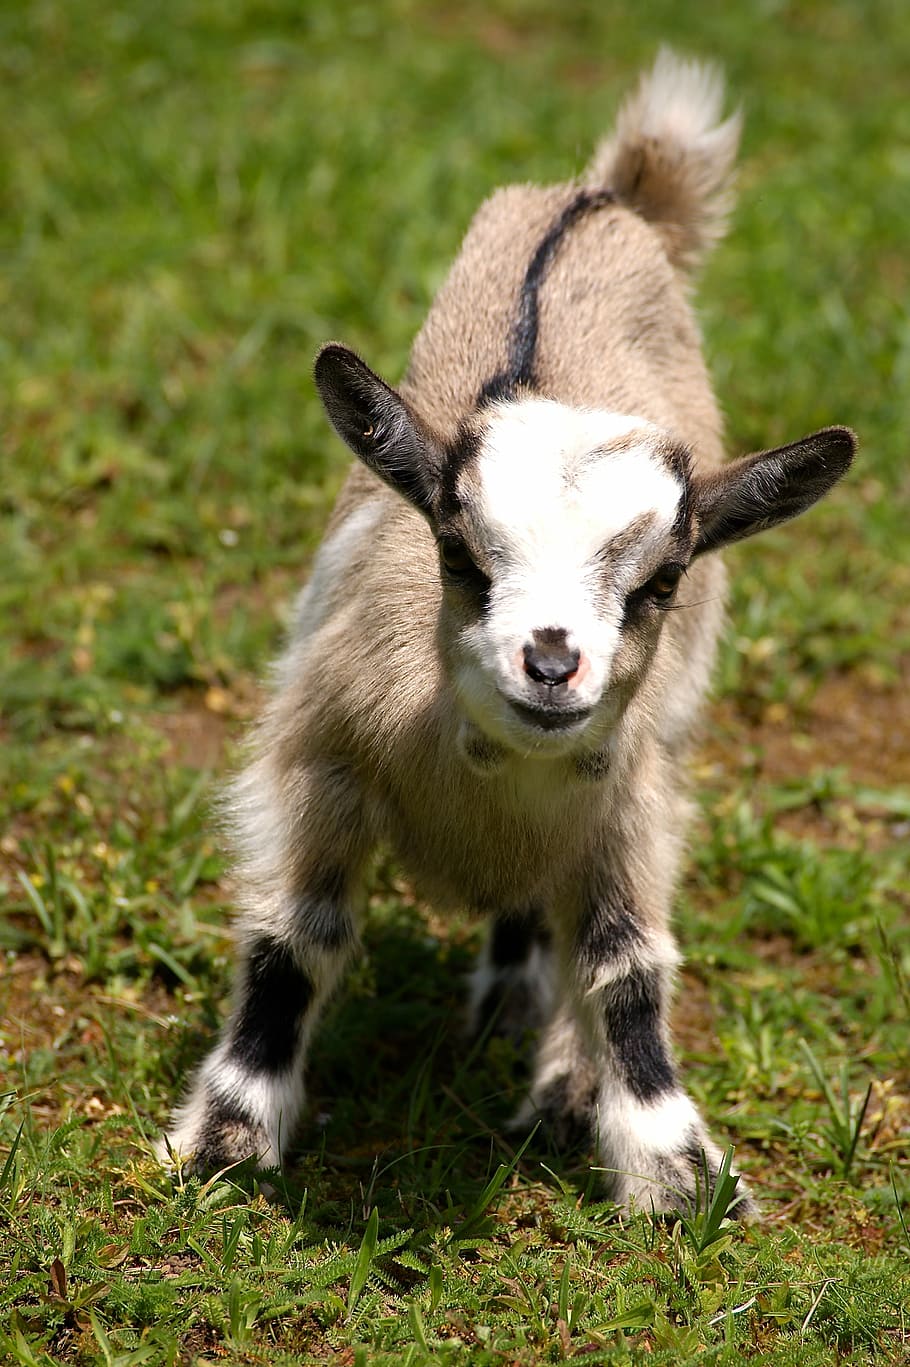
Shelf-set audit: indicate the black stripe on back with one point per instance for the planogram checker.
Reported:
(523, 341)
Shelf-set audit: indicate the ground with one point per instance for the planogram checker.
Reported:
(194, 198)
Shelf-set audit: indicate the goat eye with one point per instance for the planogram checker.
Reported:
(662, 585)
(456, 558)
(460, 567)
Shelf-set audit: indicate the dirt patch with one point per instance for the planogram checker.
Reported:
(693, 1015)
(198, 735)
(861, 728)
(48, 1007)
(855, 732)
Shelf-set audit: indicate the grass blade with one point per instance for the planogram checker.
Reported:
(898, 1206)
(418, 1329)
(856, 1129)
(364, 1259)
(38, 904)
(11, 1158)
(478, 1211)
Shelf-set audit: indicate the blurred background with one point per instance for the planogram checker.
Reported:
(196, 195)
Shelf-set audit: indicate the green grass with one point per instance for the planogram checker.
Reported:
(193, 197)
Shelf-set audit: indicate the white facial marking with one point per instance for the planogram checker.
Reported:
(552, 488)
(548, 475)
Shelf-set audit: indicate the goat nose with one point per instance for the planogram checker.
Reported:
(549, 660)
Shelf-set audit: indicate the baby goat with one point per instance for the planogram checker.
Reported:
(503, 646)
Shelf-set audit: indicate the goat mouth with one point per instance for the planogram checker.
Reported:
(550, 719)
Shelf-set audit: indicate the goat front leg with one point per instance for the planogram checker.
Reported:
(606, 1065)
(511, 991)
(294, 940)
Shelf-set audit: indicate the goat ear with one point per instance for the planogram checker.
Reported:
(757, 492)
(377, 425)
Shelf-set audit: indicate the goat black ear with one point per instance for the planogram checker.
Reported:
(759, 491)
(377, 425)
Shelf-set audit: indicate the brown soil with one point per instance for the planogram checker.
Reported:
(862, 728)
(853, 730)
(199, 734)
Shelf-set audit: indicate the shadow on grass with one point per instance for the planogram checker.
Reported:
(405, 1112)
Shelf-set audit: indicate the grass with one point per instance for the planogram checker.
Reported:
(194, 197)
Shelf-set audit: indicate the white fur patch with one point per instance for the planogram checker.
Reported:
(560, 1052)
(644, 1146)
(260, 821)
(551, 487)
(658, 1127)
(272, 1101)
(266, 1097)
(680, 102)
(551, 490)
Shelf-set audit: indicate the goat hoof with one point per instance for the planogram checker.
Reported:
(214, 1137)
(679, 1187)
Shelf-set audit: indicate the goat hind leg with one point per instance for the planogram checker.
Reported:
(512, 988)
(565, 1089)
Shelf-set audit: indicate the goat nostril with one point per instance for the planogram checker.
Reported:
(549, 665)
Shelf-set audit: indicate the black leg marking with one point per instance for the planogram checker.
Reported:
(276, 994)
(515, 1002)
(608, 928)
(512, 938)
(568, 1108)
(634, 1013)
(523, 342)
(507, 1011)
(320, 915)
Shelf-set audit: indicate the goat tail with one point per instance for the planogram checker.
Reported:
(670, 157)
